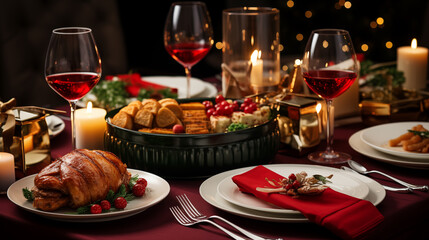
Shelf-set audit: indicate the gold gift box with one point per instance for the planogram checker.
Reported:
(299, 124)
(413, 108)
(31, 144)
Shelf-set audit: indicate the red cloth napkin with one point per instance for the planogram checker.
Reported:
(135, 83)
(346, 216)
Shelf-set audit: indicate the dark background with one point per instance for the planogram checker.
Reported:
(129, 35)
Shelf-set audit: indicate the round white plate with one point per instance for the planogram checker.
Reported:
(208, 191)
(210, 91)
(55, 125)
(197, 85)
(378, 138)
(359, 146)
(341, 182)
(156, 191)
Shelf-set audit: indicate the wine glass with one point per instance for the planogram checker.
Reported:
(188, 35)
(72, 66)
(329, 68)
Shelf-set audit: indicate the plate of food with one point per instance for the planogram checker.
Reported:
(403, 139)
(54, 199)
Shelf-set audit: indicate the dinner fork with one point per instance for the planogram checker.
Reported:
(195, 215)
(183, 220)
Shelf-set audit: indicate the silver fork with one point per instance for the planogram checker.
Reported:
(195, 215)
(183, 220)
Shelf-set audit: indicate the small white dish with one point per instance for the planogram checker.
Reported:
(55, 125)
(341, 182)
(378, 138)
(157, 190)
(208, 191)
(361, 147)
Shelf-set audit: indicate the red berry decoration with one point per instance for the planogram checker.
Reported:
(96, 209)
(289, 186)
(248, 100)
(178, 128)
(210, 112)
(248, 109)
(120, 203)
(292, 177)
(253, 105)
(219, 99)
(142, 181)
(208, 104)
(139, 190)
(105, 205)
(296, 184)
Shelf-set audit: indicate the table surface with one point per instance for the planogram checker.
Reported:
(406, 214)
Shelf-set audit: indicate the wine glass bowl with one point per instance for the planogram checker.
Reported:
(329, 68)
(72, 66)
(188, 35)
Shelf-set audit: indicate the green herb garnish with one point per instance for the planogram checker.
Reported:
(323, 179)
(423, 134)
(28, 194)
(111, 94)
(236, 126)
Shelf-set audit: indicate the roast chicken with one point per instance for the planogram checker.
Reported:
(78, 179)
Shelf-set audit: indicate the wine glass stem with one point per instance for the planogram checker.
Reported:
(73, 125)
(188, 82)
(329, 127)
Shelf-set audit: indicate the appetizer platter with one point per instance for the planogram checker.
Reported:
(192, 137)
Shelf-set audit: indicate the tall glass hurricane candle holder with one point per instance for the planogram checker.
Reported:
(251, 56)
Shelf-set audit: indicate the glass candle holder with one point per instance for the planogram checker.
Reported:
(251, 55)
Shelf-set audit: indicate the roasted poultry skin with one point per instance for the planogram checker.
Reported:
(78, 178)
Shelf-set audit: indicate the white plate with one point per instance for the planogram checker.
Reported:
(210, 91)
(359, 146)
(55, 125)
(341, 182)
(197, 85)
(378, 138)
(157, 190)
(208, 191)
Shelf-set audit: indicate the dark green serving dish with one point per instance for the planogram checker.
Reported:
(192, 155)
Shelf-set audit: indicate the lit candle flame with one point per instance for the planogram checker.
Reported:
(255, 56)
(318, 107)
(298, 62)
(89, 107)
(414, 43)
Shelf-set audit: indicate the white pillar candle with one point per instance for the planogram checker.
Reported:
(7, 171)
(256, 74)
(413, 62)
(90, 127)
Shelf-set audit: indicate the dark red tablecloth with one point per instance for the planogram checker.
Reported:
(406, 215)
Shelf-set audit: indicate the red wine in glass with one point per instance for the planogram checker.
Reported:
(188, 54)
(329, 68)
(188, 35)
(72, 66)
(74, 85)
(329, 83)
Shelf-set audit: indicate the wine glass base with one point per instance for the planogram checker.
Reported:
(324, 157)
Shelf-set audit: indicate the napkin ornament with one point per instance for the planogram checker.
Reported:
(346, 216)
